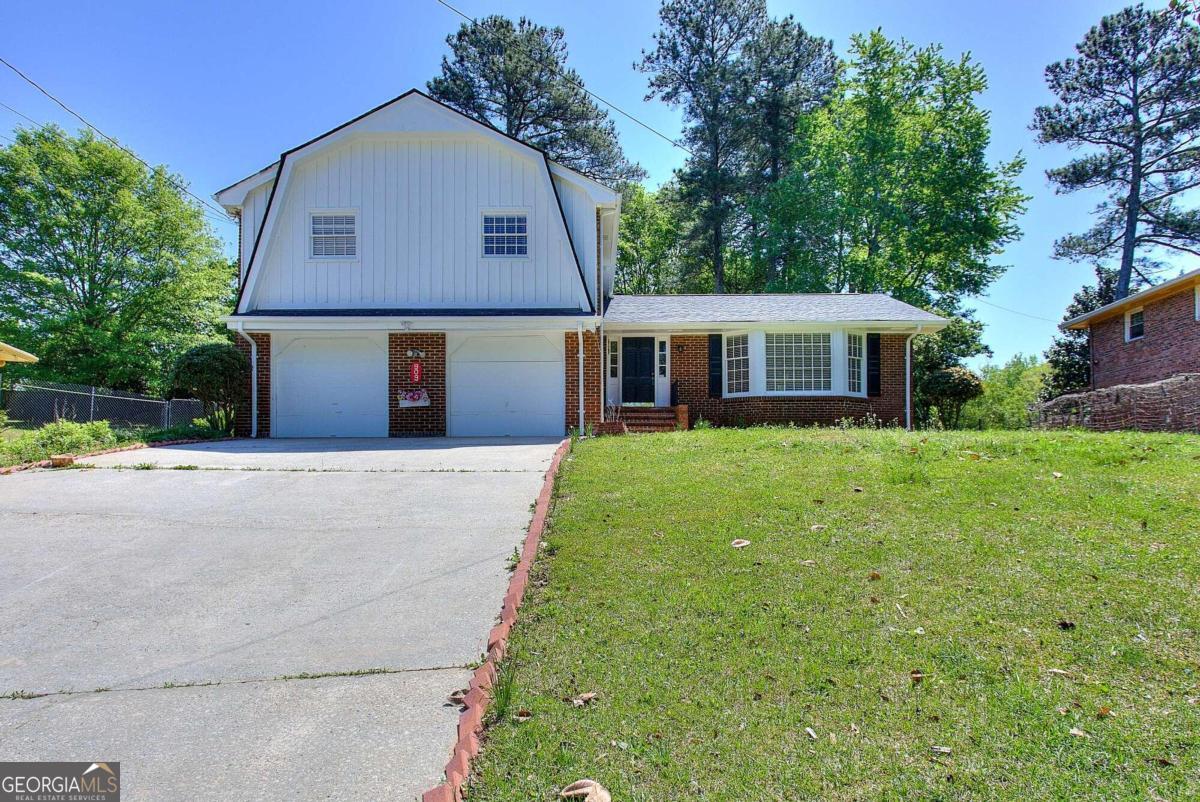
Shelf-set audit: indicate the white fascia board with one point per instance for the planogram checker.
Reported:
(266, 323)
(234, 197)
(597, 192)
(885, 326)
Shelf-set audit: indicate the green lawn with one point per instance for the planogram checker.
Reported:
(1036, 581)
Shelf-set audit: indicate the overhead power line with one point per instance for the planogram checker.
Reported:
(1016, 312)
(581, 87)
(225, 215)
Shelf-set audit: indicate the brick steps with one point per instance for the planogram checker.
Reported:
(649, 419)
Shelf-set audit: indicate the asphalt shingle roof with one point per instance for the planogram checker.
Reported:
(775, 308)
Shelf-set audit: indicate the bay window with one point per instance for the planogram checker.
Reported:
(798, 363)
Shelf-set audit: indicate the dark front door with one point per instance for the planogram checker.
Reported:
(637, 375)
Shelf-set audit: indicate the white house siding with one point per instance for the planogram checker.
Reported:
(580, 213)
(253, 209)
(419, 200)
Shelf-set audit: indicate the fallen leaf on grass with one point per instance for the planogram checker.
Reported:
(1056, 475)
(811, 733)
(874, 600)
(809, 563)
(1104, 712)
(1066, 625)
(587, 790)
(1058, 672)
(916, 676)
(522, 716)
(1165, 762)
(853, 728)
(583, 699)
(874, 576)
(740, 543)
(1078, 733)
(817, 527)
(919, 631)
(858, 490)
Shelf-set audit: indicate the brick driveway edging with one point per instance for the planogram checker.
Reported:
(45, 463)
(470, 721)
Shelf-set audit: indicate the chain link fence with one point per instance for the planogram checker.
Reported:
(30, 403)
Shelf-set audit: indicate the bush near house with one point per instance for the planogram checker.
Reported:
(215, 373)
(1009, 392)
(953, 615)
(68, 437)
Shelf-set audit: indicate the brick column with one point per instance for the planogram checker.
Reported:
(427, 421)
(242, 422)
(591, 382)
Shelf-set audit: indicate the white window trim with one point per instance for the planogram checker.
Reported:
(839, 386)
(527, 213)
(358, 239)
(749, 364)
(1128, 316)
(862, 379)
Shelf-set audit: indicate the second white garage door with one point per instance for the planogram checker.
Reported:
(505, 385)
(324, 386)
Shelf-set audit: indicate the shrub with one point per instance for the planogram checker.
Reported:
(216, 374)
(950, 389)
(63, 437)
(1009, 391)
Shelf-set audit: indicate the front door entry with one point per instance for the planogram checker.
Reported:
(637, 375)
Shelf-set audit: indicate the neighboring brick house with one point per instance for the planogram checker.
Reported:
(1146, 337)
(415, 272)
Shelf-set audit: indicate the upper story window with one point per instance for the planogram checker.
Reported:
(855, 362)
(506, 235)
(333, 235)
(737, 363)
(799, 362)
(1135, 325)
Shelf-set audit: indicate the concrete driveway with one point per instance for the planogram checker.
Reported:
(279, 619)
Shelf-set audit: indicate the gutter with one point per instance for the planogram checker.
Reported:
(579, 373)
(241, 332)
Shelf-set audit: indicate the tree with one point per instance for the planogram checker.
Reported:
(107, 270)
(949, 348)
(950, 389)
(1131, 98)
(515, 78)
(1009, 391)
(890, 189)
(647, 262)
(1070, 357)
(701, 61)
(215, 373)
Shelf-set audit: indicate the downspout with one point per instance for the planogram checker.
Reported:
(603, 372)
(579, 336)
(908, 380)
(241, 330)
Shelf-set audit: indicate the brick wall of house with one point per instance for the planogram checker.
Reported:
(591, 372)
(689, 374)
(243, 418)
(427, 421)
(1171, 344)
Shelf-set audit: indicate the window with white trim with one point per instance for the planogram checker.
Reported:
(505, 235)
(333, 236)
(854, 363)
(737, 363)
(662, 357)
(799, 362)
(1135, 325)
(613, 358)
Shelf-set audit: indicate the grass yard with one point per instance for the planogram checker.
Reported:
(1040, 583)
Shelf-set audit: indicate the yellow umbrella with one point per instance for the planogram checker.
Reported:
(10, 354)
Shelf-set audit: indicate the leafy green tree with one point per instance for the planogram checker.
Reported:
(515, 77)
(107, 270)
(960, 340)
(217, 374)
(1130, 98)
(647, 258)
(702, 61)
(950, 389)
(1069, 358)
(890, 189)
(1009, 391)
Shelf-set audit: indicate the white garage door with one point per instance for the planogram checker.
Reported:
(505, 385)
(325, 386)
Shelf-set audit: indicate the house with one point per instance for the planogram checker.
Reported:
(415, 272)
(1145, 337)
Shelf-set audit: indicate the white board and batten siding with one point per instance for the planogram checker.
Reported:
(418, 179)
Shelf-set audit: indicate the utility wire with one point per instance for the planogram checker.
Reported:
(1016, 312)
(581, 87)
(78, 116)
(208, 215)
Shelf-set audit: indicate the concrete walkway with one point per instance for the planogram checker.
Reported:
(283, 621)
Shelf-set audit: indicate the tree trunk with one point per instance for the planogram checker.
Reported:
(1133, 203)
(718, 261)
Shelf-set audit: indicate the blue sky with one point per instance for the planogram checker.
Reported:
(216, 90)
